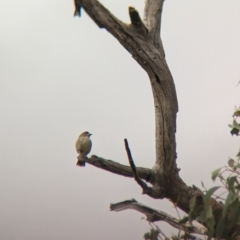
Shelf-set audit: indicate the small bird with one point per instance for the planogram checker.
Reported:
(83, 147)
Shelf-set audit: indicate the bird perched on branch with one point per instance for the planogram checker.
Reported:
(83, 147)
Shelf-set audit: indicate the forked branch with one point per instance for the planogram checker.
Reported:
(154, 215)
(145, 188)
(146, 48)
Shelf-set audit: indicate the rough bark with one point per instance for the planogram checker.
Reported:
(142, 40)
(157, 215)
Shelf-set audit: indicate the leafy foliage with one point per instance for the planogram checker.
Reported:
(201, 208)
(152, 235)
(230, 179)
(156, 234)
(235, 126)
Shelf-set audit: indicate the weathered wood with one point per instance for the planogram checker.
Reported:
(154, 215)
(142, 40)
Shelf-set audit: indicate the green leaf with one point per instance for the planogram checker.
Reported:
(235, 198)
(230, 182)
(236, 113)
(230, 125)
(215, 173)
(228, 201)
(208, 219)
(220, 228)
(192, 207)
(208, 195)
(234, 131)
(236, 125)
(238, 155)
(184, 220)
(235, 208)
(238, 165)
(231, 162)
(208, 212)
(237, 187)
(232, 205)
(207, 215)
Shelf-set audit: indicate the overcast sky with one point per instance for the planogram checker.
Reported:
(60, 76)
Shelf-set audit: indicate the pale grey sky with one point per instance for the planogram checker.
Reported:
(61, 75)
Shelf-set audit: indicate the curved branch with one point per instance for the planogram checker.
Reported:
(142, 48)
(154, 215)
(147, 50)
(148, 53)
(151, 58)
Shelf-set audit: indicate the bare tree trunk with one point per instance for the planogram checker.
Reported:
(142, 40)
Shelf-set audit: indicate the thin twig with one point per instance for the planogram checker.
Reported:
(133, 167)
(203, 186)
(179, 232)
(160, 230)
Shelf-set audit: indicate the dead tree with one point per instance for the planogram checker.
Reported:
(142, 40)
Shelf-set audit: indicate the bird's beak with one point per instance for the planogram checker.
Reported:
(89, 134)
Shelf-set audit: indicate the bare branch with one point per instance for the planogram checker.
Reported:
(131, 162)
(98, 13)
(137, 21)
(120, 169)
(147, 50)
(164, 175)
(149, 54)
(154, 215)
(152, 16)
(146, 190)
